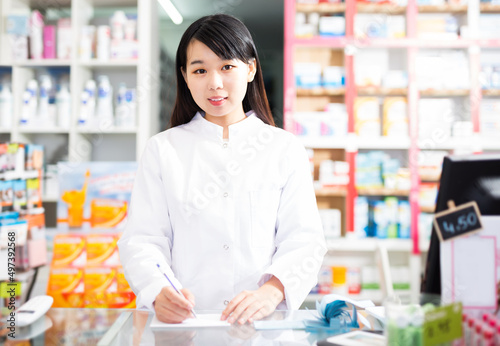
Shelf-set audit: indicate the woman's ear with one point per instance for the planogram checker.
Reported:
(252, 69)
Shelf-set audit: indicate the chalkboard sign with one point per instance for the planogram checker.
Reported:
(458, 221)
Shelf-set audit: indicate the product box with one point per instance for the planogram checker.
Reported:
(66, 286)
(361, 210)
(6, 195)
(367, 116)
(427, 194)
(20, 194)
(69, 251)
(332, 26)
(333, 77)
(64, 38)
(404, 220)
(391, 205)
(331, 221)
(395, 117)
(380, 219)
(98, 282)
(307, 75)
(49, 42)
(102, 250)
(124, 297)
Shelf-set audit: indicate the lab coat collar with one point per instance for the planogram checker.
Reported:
(236, 130)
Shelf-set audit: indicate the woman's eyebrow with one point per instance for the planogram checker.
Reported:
(196, 62)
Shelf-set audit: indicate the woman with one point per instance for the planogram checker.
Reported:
(223, 201)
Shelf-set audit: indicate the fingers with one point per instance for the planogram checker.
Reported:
(175, 298)
(250, 311)
(188, 295)
(171, 307)
(232, 305)
(170, 313)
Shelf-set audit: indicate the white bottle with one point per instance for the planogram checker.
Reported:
(121, 105)
(36, 35)
(30, 103)
(103, 42)
(43, 103)
(104, 103)
(91, 90)
(63, 104)
(83, 116)
(6, 108)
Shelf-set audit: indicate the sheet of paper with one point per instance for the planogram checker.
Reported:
(203, 320)
(281, 324)
(377, 312)
(470, 267)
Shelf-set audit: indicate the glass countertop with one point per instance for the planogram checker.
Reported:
(120, 327)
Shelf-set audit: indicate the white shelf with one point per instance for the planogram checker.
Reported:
(13, 175)
(42, 63)
(108, 131)
(382, 142)
(109, 63)
(42, 130)
(370, 245)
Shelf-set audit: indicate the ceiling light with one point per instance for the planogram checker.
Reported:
(171, 11)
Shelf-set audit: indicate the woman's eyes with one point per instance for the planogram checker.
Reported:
(224, 68)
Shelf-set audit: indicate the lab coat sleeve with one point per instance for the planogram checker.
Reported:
(299, 240)
(147, 238)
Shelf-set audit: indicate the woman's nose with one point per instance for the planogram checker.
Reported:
(215, 81)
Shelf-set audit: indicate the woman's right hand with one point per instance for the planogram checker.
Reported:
(171, 307)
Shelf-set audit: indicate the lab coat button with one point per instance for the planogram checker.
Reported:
(224, 145)
(226, 194)
(226, 302)
(226, 247)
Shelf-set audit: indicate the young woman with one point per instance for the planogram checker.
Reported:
(223, 201)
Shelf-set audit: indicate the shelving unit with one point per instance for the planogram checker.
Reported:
(79, 144)
(345, 50)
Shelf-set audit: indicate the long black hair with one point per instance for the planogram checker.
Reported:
(229, 39)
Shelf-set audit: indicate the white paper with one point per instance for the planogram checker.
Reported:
(470, 265)
(377, 312)
(203, 320)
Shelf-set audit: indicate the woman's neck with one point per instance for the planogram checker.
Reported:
(225, 121)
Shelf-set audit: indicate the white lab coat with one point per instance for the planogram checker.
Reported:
(222, 216)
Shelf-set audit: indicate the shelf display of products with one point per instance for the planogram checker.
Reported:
(55, 100)
(22, 218)
(420, 79)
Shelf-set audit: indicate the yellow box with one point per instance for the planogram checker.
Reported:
(69, 251)
(395, 117)
(66, 286)
(102, 250)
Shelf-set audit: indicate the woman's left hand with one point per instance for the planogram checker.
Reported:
(254, 305)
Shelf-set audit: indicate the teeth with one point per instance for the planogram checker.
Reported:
(216, 100)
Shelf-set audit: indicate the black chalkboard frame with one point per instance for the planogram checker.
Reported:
(453, 209)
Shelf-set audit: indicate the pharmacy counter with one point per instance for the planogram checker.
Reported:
(131, 327)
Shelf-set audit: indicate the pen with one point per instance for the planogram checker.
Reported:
(175, 288)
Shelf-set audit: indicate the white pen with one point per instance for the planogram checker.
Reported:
(175, 288)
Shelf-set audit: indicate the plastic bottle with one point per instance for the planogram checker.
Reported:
(36, 35)
(118, 21)
(30, 103)
(105, 103)
(91, 90)
(63, 104)
(83, 116)
(6, 108)
(43, 104)
(121, 106)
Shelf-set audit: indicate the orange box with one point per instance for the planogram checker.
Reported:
(102, 250)
(66, 286)
(125, 297)
(98, 282)
(69, 251)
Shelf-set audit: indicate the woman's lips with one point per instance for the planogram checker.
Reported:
(217, 101)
